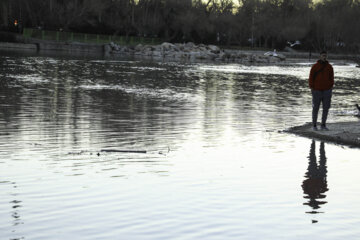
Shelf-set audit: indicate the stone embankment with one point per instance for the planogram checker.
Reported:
(191, 52)
(48, 46)
(18, 46)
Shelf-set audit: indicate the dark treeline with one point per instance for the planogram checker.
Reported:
(331, 24)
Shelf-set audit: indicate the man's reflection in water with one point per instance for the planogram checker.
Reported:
(315, 184)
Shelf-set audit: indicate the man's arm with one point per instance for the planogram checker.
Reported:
(311, 77)
(331, 76)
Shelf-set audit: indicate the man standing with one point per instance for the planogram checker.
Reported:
(321, 82)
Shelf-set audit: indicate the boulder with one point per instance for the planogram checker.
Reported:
(139, 47)
(165, 46)
(190, 45)
(214, 49)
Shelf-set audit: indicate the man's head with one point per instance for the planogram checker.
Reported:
(323, 56)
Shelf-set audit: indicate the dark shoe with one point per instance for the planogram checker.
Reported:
(324, 128)
(314, 128)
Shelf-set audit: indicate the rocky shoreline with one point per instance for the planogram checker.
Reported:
(175, 52)
(192, 52)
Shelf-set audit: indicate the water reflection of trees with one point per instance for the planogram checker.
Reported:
(315, 183)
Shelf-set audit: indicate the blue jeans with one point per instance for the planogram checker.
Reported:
(318, 97)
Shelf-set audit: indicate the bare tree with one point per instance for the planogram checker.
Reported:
(266, 23)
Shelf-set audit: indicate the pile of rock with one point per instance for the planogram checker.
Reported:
(192, 52)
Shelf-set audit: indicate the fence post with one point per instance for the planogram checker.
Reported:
(25, 33)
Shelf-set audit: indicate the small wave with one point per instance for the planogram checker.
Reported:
(298, 71)
(30, 78)
(347, 113)
(143, 92)
(149, 68)
(112, 61)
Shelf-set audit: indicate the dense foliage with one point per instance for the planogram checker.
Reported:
(331, 24)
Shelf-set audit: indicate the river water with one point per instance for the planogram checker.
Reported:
(217, 164)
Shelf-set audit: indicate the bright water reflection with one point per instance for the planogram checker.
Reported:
(216, 165)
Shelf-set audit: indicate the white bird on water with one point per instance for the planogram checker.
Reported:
(297, 42)
(273, 54)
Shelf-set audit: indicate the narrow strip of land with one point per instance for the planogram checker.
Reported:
(344, 133)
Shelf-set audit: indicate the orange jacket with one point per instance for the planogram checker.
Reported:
(321, 76)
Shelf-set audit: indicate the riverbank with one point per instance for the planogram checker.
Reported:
(344, 133)
(168, 51)
(165, 51)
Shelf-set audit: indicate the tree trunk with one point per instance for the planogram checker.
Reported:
(5, 14)
(51, 5)
(29, 12)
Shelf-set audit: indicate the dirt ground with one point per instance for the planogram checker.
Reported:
(343, 133)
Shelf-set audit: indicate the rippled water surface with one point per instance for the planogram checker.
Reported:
(217, 165)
